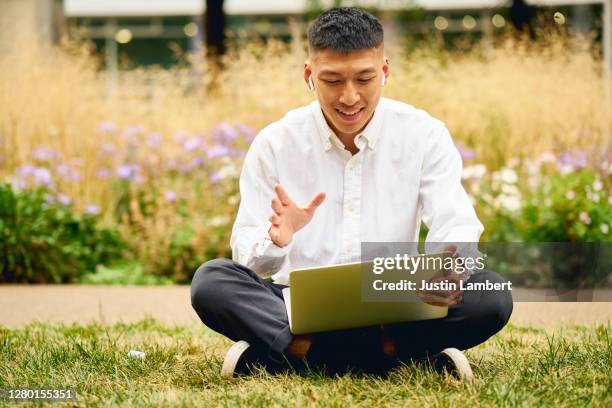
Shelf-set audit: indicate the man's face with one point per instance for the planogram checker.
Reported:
(348, 86)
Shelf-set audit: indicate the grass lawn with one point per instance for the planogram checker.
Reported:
(570, 366)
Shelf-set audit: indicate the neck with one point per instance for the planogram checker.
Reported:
(347, 139)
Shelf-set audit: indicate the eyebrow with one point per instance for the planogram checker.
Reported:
(363, 71)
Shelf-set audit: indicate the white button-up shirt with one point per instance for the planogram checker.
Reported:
(407, 170)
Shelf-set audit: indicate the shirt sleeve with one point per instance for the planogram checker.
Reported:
(250, 242)
(446, 208)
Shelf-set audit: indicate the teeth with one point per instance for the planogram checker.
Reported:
(349, 114)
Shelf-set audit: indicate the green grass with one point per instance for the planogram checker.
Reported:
(570, 366)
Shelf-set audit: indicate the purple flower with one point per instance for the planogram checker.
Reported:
(170, 195)
(154, 140)
(44, 154)
(103, 173)
(107, 127)
(572, 160)
(236, 152)
(217, 151)
(18, 183)
(215, 177)
(224, 133)
(42, 176)
(171, 164)
(92, 209)
(49, 199)
(63, 199)
(127, 171)
(67, 172)
(108, 148)
(132, 130)
(465, 152)
(181, 136)
(192, 165)
(197, 162)
(26, 170)
(191, 144)
(248, 133)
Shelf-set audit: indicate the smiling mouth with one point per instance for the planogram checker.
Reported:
(351, 115)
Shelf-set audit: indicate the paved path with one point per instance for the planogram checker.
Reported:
(20, 304)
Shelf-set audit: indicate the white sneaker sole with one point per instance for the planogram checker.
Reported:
(462, 365)
(231, 358)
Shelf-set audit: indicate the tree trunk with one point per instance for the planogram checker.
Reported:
(521, 15)
(214, 22)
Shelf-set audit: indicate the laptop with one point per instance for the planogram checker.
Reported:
(329, 298)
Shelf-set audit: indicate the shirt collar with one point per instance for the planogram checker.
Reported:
(371, 133)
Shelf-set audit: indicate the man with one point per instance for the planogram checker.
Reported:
(367, 169)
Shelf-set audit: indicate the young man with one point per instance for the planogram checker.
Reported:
(368, 169)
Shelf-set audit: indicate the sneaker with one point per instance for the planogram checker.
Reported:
(239, 359)
(454, 362)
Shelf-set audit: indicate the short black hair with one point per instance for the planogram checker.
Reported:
(345, 29)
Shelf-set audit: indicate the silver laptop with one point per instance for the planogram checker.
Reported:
(329, 298)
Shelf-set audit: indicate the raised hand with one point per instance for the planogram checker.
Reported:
(287, 218)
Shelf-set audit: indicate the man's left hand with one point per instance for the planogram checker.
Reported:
(444, 297)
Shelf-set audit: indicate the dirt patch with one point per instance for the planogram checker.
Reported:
(21, 304)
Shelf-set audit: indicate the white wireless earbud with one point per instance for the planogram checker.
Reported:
(383, 79)
(310, 84)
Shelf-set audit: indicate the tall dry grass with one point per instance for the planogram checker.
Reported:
(517, 99)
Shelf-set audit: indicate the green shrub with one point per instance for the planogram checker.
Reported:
(573, 207)
(123, 273)
(46, 242)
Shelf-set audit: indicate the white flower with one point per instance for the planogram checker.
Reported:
(476, 171)
(593, 197)
(511, 190)
(604, 228)
(566, 169)
(548, 202)
(229, 169)
(508, 176)
(570, 195)
(597, 185)
(233, 200)
(218, 221)
(510, 203)
(584, 217)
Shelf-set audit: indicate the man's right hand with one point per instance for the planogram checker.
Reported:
(287, 218)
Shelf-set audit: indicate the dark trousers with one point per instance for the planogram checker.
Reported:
(234, 301)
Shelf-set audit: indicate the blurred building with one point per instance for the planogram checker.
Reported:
(145, 32)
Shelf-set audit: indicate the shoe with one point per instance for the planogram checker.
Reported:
(454, 362)
(239, 359)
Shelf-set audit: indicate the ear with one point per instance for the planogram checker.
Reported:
(307, 75)
(386, 69)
